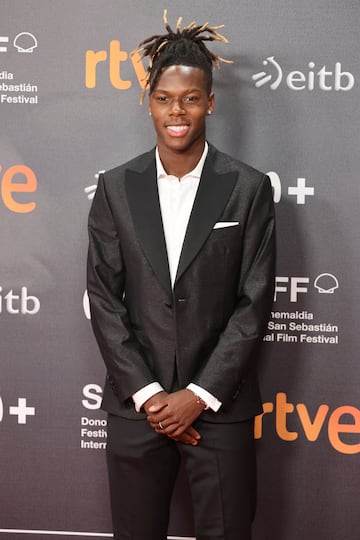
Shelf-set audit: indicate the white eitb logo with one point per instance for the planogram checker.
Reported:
(90, 190)
(324, 79)
(22, 302)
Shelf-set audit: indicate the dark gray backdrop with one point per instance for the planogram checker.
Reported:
(304, 132)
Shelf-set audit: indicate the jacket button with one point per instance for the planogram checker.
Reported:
(181, 299)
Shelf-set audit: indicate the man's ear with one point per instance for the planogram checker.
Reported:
(211, 103)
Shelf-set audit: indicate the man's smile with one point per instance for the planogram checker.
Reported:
(177, 130)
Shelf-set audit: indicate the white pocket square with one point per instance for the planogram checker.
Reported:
(222, 224)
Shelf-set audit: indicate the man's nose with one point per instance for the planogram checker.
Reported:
(177, 107)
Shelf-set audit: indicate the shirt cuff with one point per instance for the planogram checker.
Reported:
(209, 399)
(146, 393)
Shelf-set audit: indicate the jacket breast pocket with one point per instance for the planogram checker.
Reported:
(226, 237)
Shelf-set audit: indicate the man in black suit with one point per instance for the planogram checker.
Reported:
(180, 280)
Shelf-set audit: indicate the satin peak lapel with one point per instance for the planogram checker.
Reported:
(143, 199)
(211, 198)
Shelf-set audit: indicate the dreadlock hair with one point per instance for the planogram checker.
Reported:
(183, 47)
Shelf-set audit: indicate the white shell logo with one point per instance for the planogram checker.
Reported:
(326, 283)
(25, 42)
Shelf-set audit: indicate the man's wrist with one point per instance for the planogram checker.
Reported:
(145, 393)
(201, 402)
(210, 401)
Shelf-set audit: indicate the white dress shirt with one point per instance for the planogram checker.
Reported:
(177, 196)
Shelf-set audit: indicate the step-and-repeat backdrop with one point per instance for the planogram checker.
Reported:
(69, 108)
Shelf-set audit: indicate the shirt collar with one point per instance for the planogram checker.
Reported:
(195, 173)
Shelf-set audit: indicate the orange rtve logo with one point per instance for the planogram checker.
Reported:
(342, 420)
(114, 57)
(9, 186)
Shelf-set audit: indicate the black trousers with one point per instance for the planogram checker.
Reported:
(143, 466)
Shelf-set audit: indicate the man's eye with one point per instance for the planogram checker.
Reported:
(162, 99)
(190, 99)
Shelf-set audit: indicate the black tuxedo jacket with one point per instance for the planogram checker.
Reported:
(208, 328)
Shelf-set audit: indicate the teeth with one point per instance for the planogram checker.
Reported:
(177, 128)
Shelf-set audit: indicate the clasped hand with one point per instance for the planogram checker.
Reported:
(173, 415)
